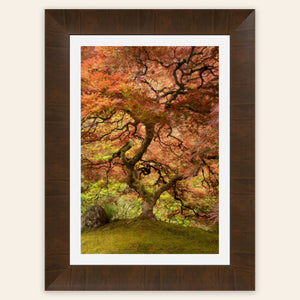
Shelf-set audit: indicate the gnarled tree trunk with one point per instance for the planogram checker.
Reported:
(147, 211)
(149, 197)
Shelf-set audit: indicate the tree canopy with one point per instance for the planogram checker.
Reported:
(149, 123)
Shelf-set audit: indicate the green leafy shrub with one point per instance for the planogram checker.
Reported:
(109, 210)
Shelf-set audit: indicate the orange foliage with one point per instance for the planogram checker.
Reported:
(174, 90)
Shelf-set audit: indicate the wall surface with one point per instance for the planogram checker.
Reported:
(22, 150)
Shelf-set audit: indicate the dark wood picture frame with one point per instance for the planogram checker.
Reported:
(240, 25)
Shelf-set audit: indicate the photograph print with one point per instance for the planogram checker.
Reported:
(149, 149)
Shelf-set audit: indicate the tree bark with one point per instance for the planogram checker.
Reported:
(147, 206)
(147, 211)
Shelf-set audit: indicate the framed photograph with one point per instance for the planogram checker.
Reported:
(149, 150)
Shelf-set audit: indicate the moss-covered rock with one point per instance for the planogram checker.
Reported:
(93, 218)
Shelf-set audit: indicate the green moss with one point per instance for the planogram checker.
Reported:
(147, 193)
(144, 236)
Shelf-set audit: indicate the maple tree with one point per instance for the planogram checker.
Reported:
(149, 119)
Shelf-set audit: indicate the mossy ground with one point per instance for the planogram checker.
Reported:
(144, 236)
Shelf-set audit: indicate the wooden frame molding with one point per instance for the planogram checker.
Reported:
(240, 25)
